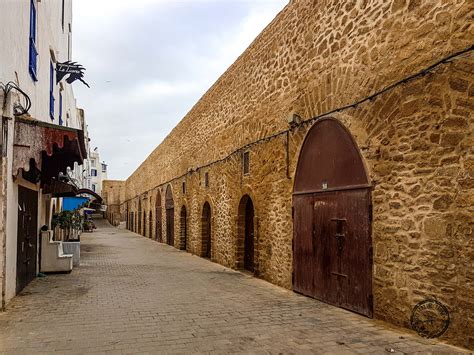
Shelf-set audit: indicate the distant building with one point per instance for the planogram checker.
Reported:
(97, 172)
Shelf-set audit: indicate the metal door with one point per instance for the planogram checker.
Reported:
(27, 236)
(249, 236)
(331, 200)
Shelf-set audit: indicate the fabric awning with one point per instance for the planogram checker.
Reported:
(48, 147)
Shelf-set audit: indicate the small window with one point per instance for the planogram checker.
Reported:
(33, 54)
(51, 90)
(104, 168)
(62, 15)
(93, 172)
(93, 163)
(60, 108)
(246, 163)
(184, 187)
(93, 187)
(206, 179)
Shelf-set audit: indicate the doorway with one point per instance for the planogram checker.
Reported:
(206, 245)
(27, 237)
(332, 258)
(169, 205)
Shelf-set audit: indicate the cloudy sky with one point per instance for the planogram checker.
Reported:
(149, 61)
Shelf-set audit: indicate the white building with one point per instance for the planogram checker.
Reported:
(98, 171)
(37, 146)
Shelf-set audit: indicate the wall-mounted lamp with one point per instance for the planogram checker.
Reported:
(294, 119)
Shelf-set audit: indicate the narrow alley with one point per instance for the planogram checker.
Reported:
(134, 295)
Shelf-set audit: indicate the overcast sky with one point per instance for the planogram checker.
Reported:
(149, 61)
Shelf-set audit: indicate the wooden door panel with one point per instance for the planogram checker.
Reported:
(303, 259)
(249, 237)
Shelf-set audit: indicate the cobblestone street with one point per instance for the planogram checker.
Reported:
(134, 295)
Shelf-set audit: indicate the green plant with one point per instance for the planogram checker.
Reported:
(67, 221)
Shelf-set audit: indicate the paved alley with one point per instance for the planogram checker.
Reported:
(134, 295)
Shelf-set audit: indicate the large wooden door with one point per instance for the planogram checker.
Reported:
(27, 236)
(159, 221)
(249, 237)
(206, 246)
(169, 205)
(332, 240)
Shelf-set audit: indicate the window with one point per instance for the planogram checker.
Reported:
(60, 108)
(206, 179)
(32, 63)
(93, 187)
(104, 168)
(51, 90)
(62, 15)
(246, 163)
(184, 187)
(69, 36)
(93, 172)
(93, 163)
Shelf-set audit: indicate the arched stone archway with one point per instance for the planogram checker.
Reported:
(332, 258)
(150, 224)
(139, 216)
(206, 233)
(169, 206)
(183, 230)
(158, 218)
(245, 252)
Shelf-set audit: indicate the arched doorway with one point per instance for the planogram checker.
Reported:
(159, 223)
(332, 258)
(246, 235)
(206, 244)
(169, 205)
(139, 216)
(183, 230)
(150, 224)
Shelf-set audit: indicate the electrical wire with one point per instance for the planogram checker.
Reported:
(18, 109)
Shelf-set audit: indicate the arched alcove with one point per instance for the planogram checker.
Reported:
(332, 257)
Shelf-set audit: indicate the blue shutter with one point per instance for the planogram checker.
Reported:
(33, 54)
(51, 90)
(60, 108)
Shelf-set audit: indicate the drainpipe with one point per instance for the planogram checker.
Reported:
(3, 187)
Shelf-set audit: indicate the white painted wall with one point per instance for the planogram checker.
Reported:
(52, 45)
(101, 176)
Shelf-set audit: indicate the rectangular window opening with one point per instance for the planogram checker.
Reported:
(51, 90)
(62, 15)
(206, 179)
(184, 187)
(246, 163)
(60, 108)
(33, 54)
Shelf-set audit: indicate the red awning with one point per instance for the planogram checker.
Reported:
(50, 148)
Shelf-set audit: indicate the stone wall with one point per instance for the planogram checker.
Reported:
(415, 138)
(113, 194)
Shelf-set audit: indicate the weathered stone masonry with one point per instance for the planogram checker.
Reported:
(415, 139)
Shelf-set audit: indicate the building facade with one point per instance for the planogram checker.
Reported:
(42, 132)
(98, 171)
(334, 158)
(112, 194)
